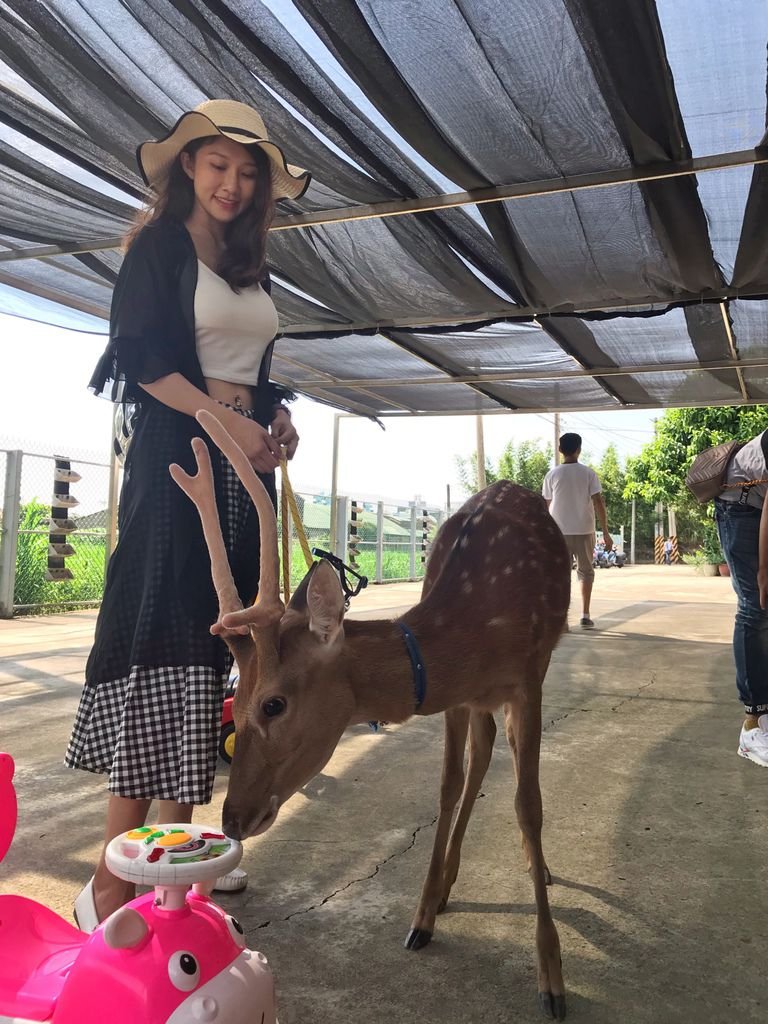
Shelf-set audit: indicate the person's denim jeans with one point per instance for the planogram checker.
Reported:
(738, 527)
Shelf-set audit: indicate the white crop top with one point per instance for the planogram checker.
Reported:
(232, 331)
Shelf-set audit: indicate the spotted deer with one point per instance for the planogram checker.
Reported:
(481, 638)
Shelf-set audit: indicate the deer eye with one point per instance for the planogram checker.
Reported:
(273, 707)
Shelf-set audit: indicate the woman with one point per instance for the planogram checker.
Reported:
(742, 525)
(191, 327)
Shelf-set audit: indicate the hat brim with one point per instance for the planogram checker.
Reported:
(155, 157)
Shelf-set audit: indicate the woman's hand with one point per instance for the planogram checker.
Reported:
(262, 450)
(284, 432)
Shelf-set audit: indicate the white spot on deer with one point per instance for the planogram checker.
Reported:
(534, 618)
(463, 542)
(464, 575)
(508, 569)
(534, 565)
(488, 559)
(497, 620)
(521, 563)
(503, 531)
(493, 579)
(467, 588)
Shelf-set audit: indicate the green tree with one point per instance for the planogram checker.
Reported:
(527, 463)
(467, 469)
(658, 473)
(614, 482)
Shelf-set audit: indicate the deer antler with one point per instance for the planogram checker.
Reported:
(268, 607)
(200, 489)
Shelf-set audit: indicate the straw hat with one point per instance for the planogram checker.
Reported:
(236, 121)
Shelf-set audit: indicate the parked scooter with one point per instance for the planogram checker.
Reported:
(608, 559)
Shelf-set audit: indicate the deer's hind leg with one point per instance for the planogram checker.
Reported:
(482, 733)
(513, 747)
(523, 719)
(456, 727)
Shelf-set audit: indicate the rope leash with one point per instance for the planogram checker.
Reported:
(288, 502)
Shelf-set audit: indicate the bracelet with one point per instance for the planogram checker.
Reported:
(282, 408)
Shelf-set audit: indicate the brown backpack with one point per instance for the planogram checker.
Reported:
(706, 477)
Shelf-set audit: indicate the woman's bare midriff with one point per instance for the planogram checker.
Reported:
(238, 395)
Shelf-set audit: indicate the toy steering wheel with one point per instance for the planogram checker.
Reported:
(172, 855)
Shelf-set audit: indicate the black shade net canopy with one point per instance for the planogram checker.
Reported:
(516, 205)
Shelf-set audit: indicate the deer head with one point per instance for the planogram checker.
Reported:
(293, 681)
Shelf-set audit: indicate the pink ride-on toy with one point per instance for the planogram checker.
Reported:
(171, 956)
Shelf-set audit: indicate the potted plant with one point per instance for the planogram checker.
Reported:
(713, 551)
(708, 559)
(701, 563)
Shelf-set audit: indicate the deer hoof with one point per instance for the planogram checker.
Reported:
(552, 1006)
(418, 938)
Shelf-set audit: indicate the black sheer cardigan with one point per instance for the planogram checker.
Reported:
(159, 598)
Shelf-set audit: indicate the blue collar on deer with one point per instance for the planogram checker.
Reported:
(417, 664)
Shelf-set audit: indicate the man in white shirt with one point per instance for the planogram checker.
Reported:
(574, 496)
(742, 523)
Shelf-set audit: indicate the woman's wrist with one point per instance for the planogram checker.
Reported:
(281, 408)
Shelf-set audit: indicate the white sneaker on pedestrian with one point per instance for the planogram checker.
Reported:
(236, 880)
(753, 744)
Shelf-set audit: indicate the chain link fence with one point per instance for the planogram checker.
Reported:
(384, 541)
(28, 501)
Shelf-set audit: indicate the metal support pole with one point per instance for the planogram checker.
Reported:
(634, 527)
(334, 484)
(413, 539)
(379, 573)
(480, 454)
(557, 438)
(9, 535)
(339, 539)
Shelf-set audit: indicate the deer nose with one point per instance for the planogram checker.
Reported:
(230, 823)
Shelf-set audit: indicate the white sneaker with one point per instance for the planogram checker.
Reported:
(753, 744)
(236, 880)
(84, 913)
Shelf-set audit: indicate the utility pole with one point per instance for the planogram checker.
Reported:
(480, 453)
(634, 530)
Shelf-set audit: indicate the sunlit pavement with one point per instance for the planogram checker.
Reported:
(655, 830)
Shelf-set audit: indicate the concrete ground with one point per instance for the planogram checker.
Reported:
(653, 831)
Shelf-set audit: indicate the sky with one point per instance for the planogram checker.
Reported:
(45, 407)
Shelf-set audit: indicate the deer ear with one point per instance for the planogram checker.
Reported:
(298, 602)
(325, 601)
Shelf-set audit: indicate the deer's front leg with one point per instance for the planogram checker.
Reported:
(524, 720)
(456, 725)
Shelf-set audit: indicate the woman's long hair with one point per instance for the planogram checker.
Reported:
(245, 238)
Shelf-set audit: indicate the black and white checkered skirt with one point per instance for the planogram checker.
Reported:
(154, 733)
(155, 730)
